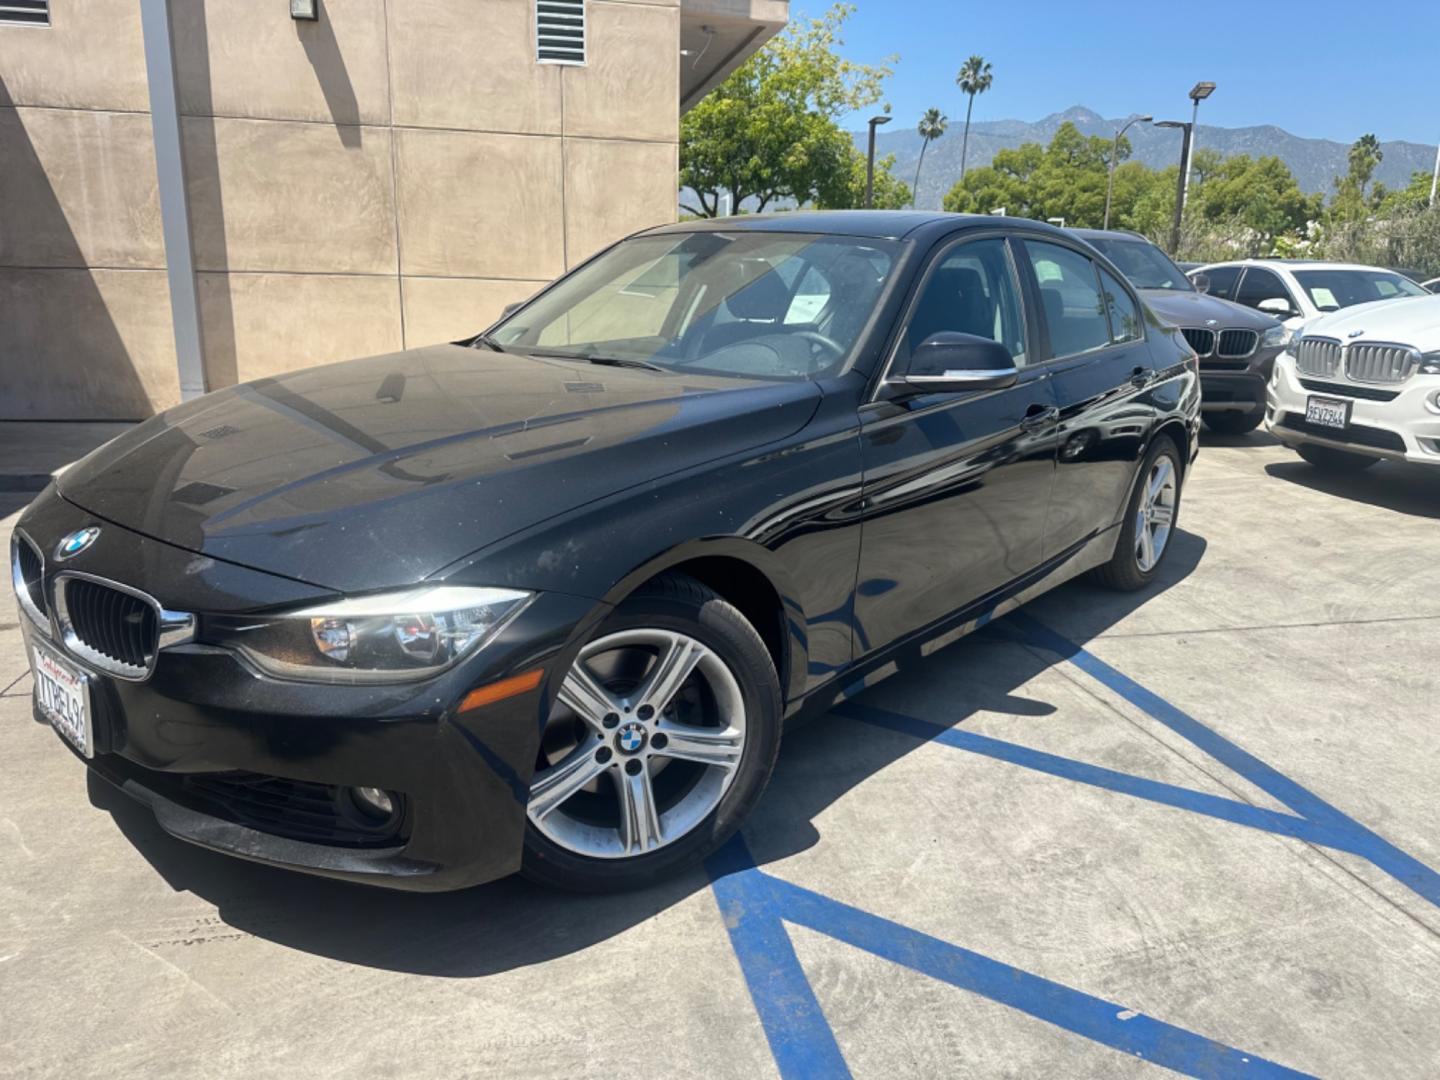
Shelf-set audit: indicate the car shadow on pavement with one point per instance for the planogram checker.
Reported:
(1390, 485)
(513, 924)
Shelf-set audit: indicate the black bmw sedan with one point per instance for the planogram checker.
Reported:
(544, 600)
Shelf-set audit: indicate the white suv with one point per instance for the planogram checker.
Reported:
(1361, 385)
(1296, 291)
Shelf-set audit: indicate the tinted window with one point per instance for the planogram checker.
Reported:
(1259, 284)
(1222, 281)
(1331, 290)
(1070, 293)
(1144, 265)
(1124, 315)
(972, 291)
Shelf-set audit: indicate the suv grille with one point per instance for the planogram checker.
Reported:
(1237, 344)
(1358, 434)
(1380, 363)
(1346, 390)
(1201, 340)
(114, 630)
(1318, 356)
(27, 572)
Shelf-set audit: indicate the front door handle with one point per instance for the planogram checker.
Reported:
(1039, 416)
(1140, 377)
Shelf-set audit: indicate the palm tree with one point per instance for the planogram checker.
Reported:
(974, 78)
(932, 125)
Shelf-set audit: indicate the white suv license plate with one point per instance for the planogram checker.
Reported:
(63, 694)
(1328, 412)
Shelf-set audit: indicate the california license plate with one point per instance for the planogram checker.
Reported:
(1328, 412)
(63, 694)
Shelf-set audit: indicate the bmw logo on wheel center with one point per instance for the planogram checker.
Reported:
(631, 738)
(75, 543)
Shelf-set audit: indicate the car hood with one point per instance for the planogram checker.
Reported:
(379, 472)
(1197, 309)
(1410, 320)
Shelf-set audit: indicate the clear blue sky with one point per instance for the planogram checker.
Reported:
(1331, 69)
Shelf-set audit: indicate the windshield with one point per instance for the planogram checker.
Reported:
(1331, 290)
(1144, 264)
(756, 304)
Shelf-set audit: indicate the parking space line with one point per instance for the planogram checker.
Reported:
(756, 905)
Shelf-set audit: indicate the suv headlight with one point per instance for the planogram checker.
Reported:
(1276, 335)
(1430, 364)
(390, 637)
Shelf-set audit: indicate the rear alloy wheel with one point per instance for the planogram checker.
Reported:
(661, 740)
(1233, 423)
(1149, 522)
(1331, 460)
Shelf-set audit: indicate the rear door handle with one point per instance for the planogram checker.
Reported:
(1039, 416)
(1141, 377)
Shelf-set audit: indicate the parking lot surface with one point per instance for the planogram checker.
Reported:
(1193, 828)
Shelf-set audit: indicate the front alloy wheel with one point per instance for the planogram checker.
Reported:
(660, 740)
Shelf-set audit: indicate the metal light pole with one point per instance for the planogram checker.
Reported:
(1188, 128)
(1114, 156)
(875, 121)
(1198, 93)
(1435, 178)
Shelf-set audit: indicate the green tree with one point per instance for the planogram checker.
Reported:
(845, 188)
(770, 131)
(932, 125)
(1350, 202)
(974, 78)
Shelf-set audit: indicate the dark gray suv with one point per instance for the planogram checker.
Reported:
(1237, 345)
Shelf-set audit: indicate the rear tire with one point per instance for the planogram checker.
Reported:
(1328, 459)
(1232, 423)
(635, 822)
(1154, 506)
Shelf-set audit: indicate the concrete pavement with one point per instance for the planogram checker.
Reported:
(1182, 838)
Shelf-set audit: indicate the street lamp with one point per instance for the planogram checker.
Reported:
(875, 121)
(1435, 178)
(1114, 156)
(1188, 127)
(1198, 93)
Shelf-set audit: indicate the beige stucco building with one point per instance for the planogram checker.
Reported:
(389, 174)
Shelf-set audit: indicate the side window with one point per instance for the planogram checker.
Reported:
(1070, 293)
(1222, 281)
(972, 290)
(1124, 316)
(1259, 284)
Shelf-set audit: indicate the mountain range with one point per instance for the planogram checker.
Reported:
(1315, 162)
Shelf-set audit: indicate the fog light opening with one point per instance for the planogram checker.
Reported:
(374, 804)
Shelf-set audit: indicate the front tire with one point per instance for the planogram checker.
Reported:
(660, 744)
(1328, 459)
(1149, 522)
(1232, 423)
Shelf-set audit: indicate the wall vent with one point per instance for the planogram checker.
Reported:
(25, 12)
(559, 31)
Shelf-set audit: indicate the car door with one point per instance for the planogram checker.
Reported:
(956, 485)
(1100, 369)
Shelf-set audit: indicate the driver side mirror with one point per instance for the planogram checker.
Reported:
(950, 362)
(1201, 282)
(1277, 306)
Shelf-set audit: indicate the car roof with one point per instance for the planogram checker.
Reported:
(1297, 264)
(874, 224)
(1109, 234)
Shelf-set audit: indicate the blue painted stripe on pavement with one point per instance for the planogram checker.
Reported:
(800, 1038)
(1404, 868)
(1094, 1018)
(1241, 813)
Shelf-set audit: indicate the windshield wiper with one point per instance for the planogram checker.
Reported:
(603, 361)
(487, 341)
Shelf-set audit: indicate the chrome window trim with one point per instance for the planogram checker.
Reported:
(22, 591)
(173, 627)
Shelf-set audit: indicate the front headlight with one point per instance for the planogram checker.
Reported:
(391, 637)
(1276, 335)
(1430, 364)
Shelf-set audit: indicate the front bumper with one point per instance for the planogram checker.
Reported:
(1237, 385)
(1403, 428)
(205, 719)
